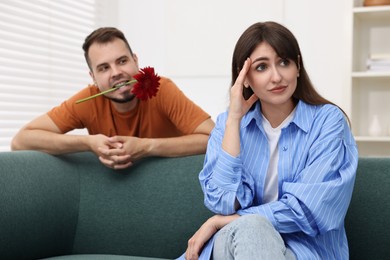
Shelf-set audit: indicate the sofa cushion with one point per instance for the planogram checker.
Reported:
(101, 257)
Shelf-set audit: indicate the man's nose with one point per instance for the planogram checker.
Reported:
(115, 71)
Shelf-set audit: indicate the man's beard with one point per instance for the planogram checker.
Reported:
(126, 98)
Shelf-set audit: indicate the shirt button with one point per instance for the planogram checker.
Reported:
(284, 148)
(234, 180)
(236, 169)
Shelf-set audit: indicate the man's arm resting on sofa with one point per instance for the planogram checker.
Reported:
(137, 148)
(42, 134)
(117, 152)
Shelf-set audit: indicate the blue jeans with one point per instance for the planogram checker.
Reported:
(250, 237)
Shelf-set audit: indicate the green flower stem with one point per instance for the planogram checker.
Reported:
(107, 91)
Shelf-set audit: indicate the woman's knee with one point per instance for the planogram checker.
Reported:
(257, 227)
(250, 235)
(253, 222)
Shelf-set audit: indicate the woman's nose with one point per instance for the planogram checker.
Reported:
(276, 76)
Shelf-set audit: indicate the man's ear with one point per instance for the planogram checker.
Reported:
(135, 59)
(92, 76)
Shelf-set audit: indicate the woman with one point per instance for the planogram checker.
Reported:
(281, 162)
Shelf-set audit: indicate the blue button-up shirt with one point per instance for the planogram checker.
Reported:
(317, 164)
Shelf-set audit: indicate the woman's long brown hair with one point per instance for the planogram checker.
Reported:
(286, 46)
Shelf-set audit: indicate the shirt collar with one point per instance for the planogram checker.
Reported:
(253, 114)
(303, 116)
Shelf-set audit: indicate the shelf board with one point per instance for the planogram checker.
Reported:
(361, 138)
(372, 12)
(371, 74)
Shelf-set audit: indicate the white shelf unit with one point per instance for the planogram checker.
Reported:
(370, 90)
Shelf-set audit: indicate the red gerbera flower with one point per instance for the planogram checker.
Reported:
(147, 84)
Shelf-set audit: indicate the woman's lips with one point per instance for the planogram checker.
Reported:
(278, 89)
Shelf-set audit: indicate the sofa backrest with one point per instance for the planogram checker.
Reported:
(39, 202)
(150, 209)
(368, 218)
(72, 204)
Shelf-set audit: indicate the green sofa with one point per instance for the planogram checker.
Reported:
(73, 207)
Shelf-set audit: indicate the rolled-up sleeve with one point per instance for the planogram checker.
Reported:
(222, 178)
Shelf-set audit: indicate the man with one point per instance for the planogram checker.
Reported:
(122, 128)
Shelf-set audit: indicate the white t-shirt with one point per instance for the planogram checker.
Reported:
(271, 180)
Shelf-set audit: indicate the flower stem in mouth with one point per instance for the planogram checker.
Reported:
(117, 86)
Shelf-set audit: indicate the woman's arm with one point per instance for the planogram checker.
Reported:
(204, 233)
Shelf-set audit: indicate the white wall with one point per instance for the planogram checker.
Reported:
(323, 30)
(192, 41)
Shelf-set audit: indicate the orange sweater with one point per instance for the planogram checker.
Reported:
(168, 114)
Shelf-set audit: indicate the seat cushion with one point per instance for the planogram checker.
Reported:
(101, 257)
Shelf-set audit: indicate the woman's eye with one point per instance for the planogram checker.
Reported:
(285, 62)
(261, 67)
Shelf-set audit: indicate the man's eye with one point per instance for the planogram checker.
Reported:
(103, 68)
(123, 61)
